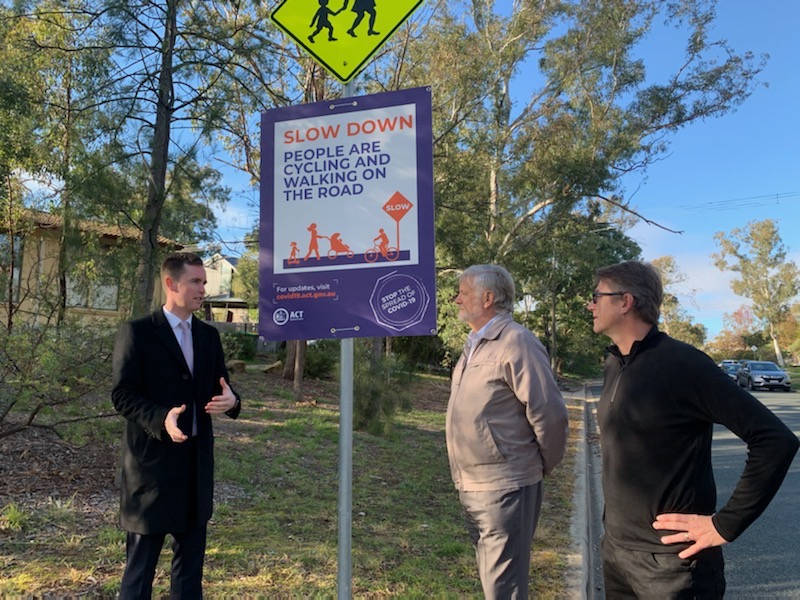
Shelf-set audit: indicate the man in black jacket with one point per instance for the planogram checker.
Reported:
(169, 378)
(661, 398)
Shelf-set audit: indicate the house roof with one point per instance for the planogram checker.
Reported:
(45, 220)
(225, 301)
(212, 260)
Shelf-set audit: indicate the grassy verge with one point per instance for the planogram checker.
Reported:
(275, 526)
(794, 373)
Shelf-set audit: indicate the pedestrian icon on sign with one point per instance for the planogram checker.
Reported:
(322, 21)
(360, 7)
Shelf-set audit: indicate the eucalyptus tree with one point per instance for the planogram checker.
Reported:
(765, 275)
(675, 321)
(541, 104)
(556, 274)
(18, 118)
(44, 43)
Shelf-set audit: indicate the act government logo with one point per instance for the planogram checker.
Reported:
(280, 316)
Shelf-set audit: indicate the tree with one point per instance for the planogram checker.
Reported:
(740, 331)
(558, 271)
(766, 277)
(674, 319)
(511, 154)
(794, 345)
(69, 129)
(542, 108)
(18, 112)
(789, 333)
(168, 57)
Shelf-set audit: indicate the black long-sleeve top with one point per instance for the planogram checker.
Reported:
(656, 416)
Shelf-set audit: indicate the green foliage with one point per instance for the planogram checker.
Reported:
(574, 245)
(238, 345)
(674, 319)
(13, 518)
(766, 276)
(426, 352)
(452, 331)
(55, 376)
(381, 386)
(321, 359)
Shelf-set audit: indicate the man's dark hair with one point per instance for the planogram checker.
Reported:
(174, 264)
(641, 280)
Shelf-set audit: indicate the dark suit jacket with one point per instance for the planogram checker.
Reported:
(150, 378)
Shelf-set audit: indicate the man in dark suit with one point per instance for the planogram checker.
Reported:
(169, 378)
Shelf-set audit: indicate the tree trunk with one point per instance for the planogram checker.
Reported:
(377, 352)
(776, 346)
(66, 209)
(146, 271)
(288, 366)
(299, 362)
(553, 349)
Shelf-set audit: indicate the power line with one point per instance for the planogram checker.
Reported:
(737, 203)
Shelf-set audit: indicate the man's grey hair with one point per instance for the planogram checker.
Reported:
(495, 279)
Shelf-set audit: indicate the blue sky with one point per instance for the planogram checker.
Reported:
(719, 174)
(723, 173)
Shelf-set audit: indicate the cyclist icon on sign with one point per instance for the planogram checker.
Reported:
(381, 248)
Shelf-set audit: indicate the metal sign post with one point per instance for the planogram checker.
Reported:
(344, 574)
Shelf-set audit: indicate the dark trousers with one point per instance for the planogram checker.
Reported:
(188, 553)
(637, 574)
(501, 525)
(142, 552)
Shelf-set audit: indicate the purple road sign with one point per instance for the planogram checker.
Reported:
(346, 236)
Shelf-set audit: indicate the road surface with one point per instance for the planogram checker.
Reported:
(765, 561)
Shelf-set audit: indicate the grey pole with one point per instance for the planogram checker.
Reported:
(345, 470)
(345, 570)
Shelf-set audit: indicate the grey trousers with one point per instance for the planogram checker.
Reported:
(501, 524)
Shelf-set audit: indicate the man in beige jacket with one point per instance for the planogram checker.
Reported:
(506, 430)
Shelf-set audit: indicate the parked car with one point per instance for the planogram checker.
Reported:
(728, 361)
(763, 374)
(730, 368)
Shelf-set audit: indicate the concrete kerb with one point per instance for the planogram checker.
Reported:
(584, 575)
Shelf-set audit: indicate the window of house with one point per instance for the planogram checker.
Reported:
(7, 269)
(100, 293)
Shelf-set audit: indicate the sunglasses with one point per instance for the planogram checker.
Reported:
(596, 295)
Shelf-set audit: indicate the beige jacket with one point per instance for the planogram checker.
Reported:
(507, 423)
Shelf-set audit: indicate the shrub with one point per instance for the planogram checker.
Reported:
(322, 356)
(380, 387)
(239, 346)
(54, 376)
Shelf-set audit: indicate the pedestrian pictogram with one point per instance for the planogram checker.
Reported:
(342, 35)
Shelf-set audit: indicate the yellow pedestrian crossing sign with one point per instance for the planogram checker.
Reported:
(342, 35)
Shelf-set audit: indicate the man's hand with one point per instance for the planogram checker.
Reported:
(691, 528)
(171, 424)
(224, 402)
